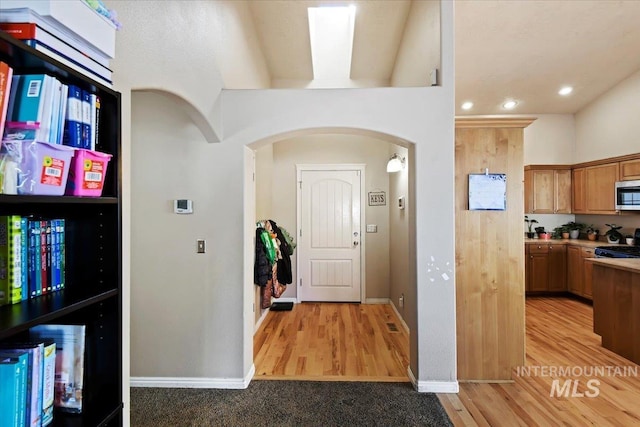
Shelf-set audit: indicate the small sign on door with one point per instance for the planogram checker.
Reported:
(377, 198)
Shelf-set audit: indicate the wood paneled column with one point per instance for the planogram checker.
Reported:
(490, 283)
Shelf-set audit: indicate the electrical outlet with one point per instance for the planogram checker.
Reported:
(201, 243)
(401, 301)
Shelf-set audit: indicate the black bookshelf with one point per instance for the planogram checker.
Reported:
(93, 254)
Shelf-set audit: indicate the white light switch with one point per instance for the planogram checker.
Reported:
(372, 228)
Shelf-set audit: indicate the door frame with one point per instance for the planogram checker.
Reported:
(360, 167)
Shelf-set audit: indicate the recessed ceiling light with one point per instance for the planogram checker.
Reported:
(467, 105)
(509, 105)
(566, 90)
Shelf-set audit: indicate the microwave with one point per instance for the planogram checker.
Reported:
(628, 195)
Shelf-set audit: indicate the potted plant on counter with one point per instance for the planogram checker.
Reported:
(530, 223)
(592, 233)
(542, 234)
(613, 235)
(574, 228)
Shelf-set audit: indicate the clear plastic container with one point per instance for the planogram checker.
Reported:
(44, 168)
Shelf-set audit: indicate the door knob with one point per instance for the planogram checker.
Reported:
(355, 243)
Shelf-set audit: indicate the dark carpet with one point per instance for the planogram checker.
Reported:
(289, 403)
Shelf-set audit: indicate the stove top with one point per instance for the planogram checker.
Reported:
(619, 251)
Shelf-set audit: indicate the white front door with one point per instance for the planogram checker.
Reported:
(329, 235)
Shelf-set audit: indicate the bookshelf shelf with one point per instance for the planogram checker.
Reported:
(92, 294)
(17, 318)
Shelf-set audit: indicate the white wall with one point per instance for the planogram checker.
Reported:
(180, 317)
(550, 140)
(216, 290)
(610, 125)
(402, 280)
(422, 35)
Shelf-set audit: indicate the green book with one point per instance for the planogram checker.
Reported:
(10, 260)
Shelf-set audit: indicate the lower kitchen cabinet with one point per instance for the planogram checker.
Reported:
(545, 268)
(579, 271)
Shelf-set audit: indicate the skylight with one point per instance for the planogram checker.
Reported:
(331, 33)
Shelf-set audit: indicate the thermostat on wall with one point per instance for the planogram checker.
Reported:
(182, 206)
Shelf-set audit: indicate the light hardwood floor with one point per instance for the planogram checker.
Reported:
(559, 334)
(332, 342)
(352, 342)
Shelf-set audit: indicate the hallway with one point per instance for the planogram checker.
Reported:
(332, 342)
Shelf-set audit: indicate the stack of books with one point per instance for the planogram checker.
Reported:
(42, 373)
(70, 32)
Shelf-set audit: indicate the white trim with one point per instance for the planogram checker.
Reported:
(260, 320)
(376, 301)
(193, 382)
(361, 167)
(404, 324)
(433, 386)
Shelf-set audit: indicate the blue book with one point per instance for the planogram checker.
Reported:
(73, 125)
(35, 277)
(24, 256)
(28, 97)
(86, 120)
(34, 354)
(61, 257)
(13, 376)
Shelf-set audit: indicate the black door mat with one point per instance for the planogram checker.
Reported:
(282, 306)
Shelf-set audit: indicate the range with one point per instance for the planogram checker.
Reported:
(620, 251)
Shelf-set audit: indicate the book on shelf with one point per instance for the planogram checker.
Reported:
(31, 31)
(6, 75)
(77, 62)
(10, 260)
(73, 123)
(74, 21)
(35, 353)
(70, 345)
(44, 268)
(13, 389)
(35, 278)
(48, 380)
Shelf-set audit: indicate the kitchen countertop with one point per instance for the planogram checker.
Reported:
(579, 242)
(627, 264)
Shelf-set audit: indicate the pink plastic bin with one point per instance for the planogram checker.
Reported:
(87, 172)
(44, 168)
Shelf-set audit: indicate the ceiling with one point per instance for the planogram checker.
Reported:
(524, 50)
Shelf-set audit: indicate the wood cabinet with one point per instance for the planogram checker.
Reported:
(92, 294)
(629, 170)
(600, 186)
(579, 190)
(616, 309)
(545, 268)
(579, 271)
(547, 190)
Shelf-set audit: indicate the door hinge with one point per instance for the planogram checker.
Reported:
(300, 184)
(301, 282)
(301, 232)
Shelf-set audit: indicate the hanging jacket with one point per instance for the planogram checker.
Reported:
(262, 266)
(284, 262)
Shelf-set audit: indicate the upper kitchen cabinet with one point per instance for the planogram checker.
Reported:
(547, 189)
(594, 188)
(629, 170)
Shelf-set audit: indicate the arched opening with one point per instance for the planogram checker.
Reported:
(388, 249)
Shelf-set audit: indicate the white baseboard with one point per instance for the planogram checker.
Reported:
(377, 301)
(433, 386)
(193, 382)
(404, 324)
(260, 320)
